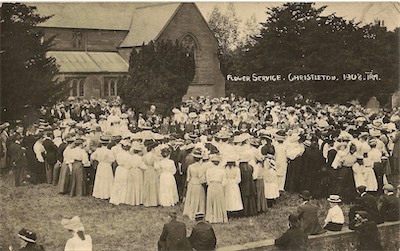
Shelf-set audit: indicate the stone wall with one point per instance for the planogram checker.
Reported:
(344, 240)
(208, 80)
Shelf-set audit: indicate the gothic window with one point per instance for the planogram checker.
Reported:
(77, 39)
(189, 43)
(77, 87)
(110, 86)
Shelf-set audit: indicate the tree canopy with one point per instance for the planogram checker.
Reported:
(160, 73)
(27, 75)
(297, 38)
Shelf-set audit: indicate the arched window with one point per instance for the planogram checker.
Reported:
(189, 43)
(77, 86)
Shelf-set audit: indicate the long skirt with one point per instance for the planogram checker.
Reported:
(135, 185)
(103, 183)
(216, 208)
(150, 188)
(261, 202)
(64, 179)
(347, 188)
(78, 180)
(168, 191)
(195, 200)
(233, 197)
(120, 186)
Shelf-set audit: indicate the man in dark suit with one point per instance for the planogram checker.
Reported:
(367, 231)
(17, 159)
(294, 238)
(203, 236)
(308, 215)
(366, 202)
(50, 157)
(173, 236)
(390, 210)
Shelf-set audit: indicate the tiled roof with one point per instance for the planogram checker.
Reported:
(148, 22)
(89, 62)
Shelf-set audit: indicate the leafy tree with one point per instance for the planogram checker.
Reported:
(160, 73)
(296, 38)
(27, 75)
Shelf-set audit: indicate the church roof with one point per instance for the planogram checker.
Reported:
(107, 16)
(84, 62)
(148, 22)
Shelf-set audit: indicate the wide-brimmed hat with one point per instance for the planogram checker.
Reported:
(305, 195)
(216, 158)
(197, 153)
(334, 198)
(104, 139)
(388, 187)
(4, 125)
(136, 146)
(27, 235)
(74, 224)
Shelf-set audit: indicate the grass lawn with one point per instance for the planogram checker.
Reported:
(40, 209)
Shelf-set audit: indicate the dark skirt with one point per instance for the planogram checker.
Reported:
(333, 226)
(64, 179)
(78, 180)
(261, 202)
(248, 190)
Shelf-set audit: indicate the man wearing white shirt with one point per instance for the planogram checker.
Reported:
(335, 218)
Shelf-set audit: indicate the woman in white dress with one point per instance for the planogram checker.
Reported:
(216, 180)
(79, 241)
(270, 180)
(195, 196)
(124, 162)
(135, 178)
(168, 190)
(233, 197)
(358, 171)
(104, 180)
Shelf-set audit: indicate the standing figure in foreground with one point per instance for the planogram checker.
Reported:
(216, 180)
(368, 233)
(79, 241)
(168, 191)
(104, 180)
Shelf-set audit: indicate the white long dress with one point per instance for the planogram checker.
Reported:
(120, 187)
(233, 197)
(135, 181)
(281, 164)
(358, 171)
(271, 189)
(104, 180)
(168, 190)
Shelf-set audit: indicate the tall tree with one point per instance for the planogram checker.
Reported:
(159, 73)
(297, 38)
(27, 75)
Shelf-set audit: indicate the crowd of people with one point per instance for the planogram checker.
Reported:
(226, 157)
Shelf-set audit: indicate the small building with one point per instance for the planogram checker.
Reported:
(93, 42)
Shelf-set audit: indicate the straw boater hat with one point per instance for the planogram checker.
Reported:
(73, 224)
(216, 158)
(27, 235)
(388, 187)
(334, 198)
(199, 216)
(104, 139)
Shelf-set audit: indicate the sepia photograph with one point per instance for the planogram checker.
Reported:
(199, 126)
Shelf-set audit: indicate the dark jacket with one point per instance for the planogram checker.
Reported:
(368, 236)
(293, 239)
(203, 237)
(368, 203)
(390, 210)
(17, 154)
(51, 151)
(308, 216)
(173, 237)
(32, 247)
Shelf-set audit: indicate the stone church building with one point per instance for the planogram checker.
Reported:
(93, 42)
